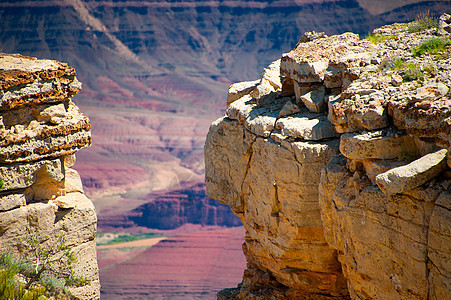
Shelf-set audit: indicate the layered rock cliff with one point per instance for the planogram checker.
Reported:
(337, 163)
(42, 196)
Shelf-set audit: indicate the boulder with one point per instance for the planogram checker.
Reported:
(72, 181)
(418, 172)
(444, 24)
(314, 100)
(289, 109)
(17, 176)
(11, 201)
(380, 144)
(240, 89)
(306, 126)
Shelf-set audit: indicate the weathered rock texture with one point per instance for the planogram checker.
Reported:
(40, 130)
(340, 173)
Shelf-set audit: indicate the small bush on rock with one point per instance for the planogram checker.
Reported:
(424, 21)
(432, 45)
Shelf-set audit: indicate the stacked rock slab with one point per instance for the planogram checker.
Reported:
(341, 173)
(40, 131)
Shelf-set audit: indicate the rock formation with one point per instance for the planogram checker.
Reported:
(338, 164)
(40, 131)
(172, 209)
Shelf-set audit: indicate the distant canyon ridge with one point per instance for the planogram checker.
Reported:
(155, 75)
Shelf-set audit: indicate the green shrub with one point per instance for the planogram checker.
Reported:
(378, 38)
(413, 73)
(408, 71)
(423, 21)
(432, 45)
(1, 183)
(36, 277)
(10, 286)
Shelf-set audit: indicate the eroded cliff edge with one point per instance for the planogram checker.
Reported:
(41, 129)
(338, 164)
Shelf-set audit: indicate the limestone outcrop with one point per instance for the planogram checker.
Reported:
(340, 169)
(41, 129)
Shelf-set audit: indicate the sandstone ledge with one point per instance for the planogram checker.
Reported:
(343, 110)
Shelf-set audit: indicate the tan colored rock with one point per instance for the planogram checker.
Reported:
(262, 89)
(391, 230)
(374, 167)
(270, 81)
(359, 113)
(279, 224)
(418, 172)
(236, 164)
(40, 130)
(431, 92)
(314, 100)
(72, 181)
(380, 144)
(240, 89)
(258, 120)
(331, 100)
(18, 176)
(70, 200)
(53, 111)
(272, 75)
(77, 225)
(333, 77)
(45, 191)
(387, 219)
(396, 80)
(48, 140)
(30, 80)
(289, 109)
(331, 175)
(308, 61)
(287, 87)
(307, 126)
(69, 161)
(428, 119)
(439, 248)
(444, 24)
(227, 152)
(11, 201)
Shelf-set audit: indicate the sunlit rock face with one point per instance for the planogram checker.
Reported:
(341, 173)
(41, 129)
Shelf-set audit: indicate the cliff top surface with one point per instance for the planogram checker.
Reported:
(397, 77)
(25, 80)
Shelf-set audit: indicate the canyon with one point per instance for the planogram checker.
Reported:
(155, 74)
(338, 164)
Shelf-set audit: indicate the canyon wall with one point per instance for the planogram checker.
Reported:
(337, 163)
(42, 196)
